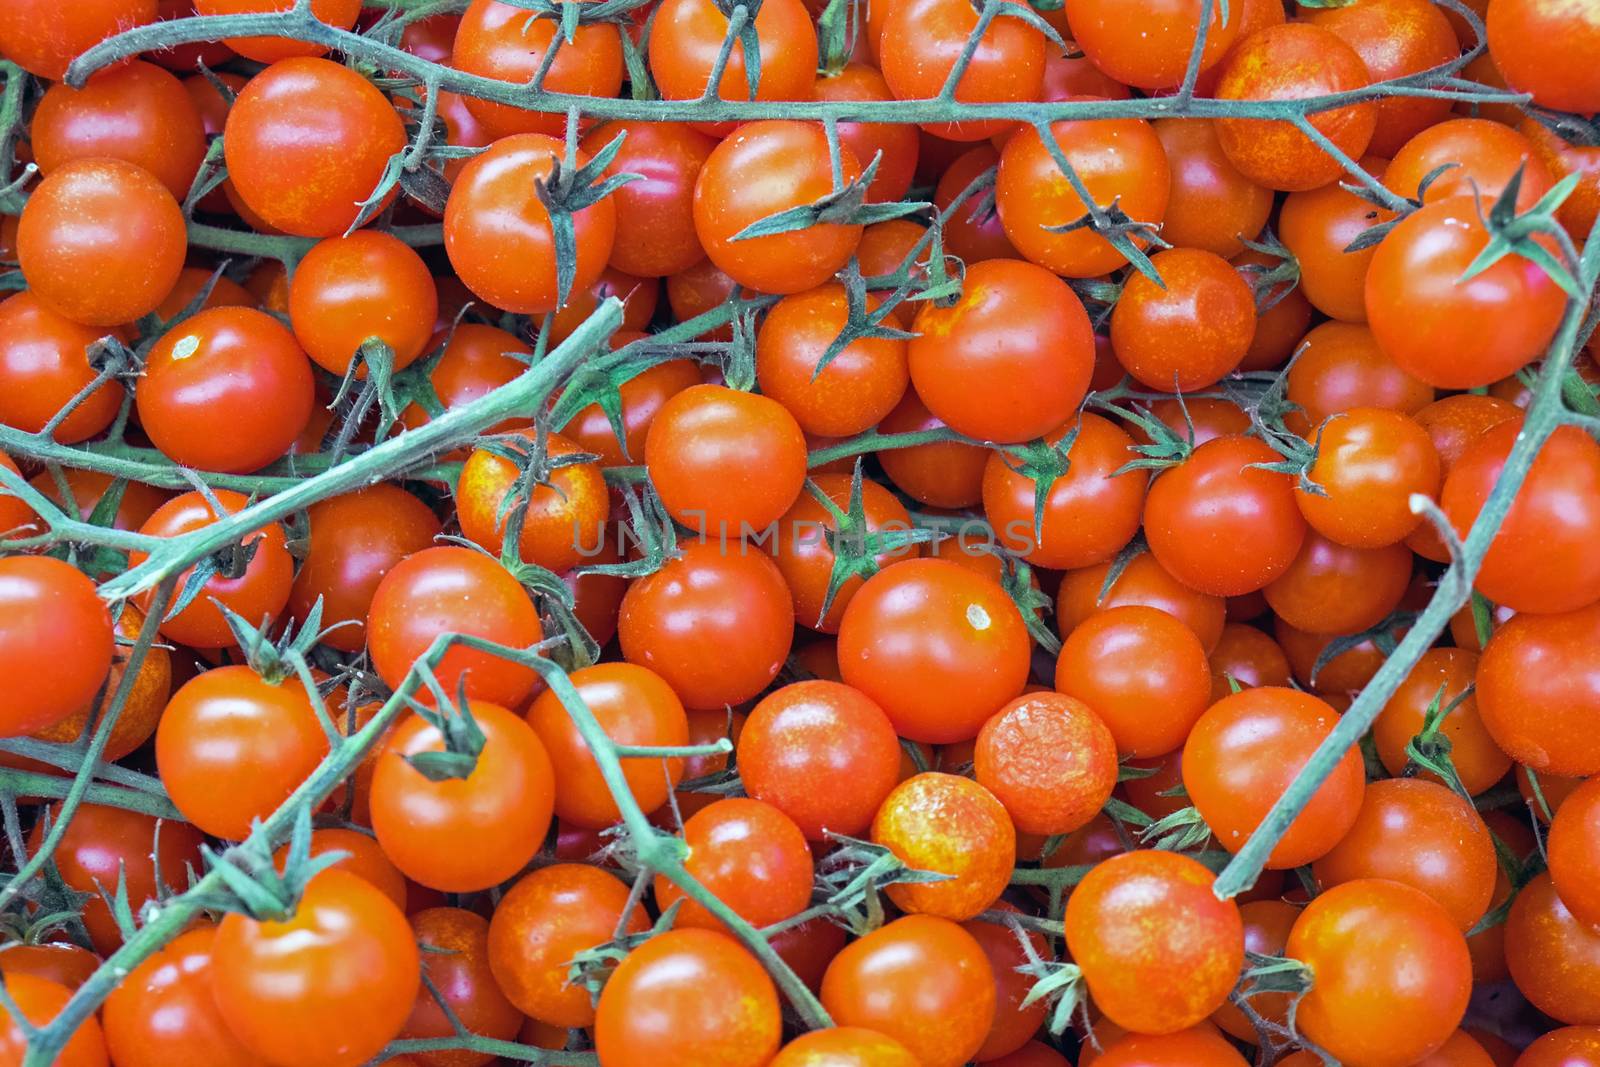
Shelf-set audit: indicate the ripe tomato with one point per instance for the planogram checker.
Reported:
(1287, 62)
(328, 986)
(453, 590)
(1119, 161)
(257, 594)
(1158, 950)
(1050, 760)
(459, 968)
(102, 845)
(41, 1000)
(137, 113)
(1249, 657)
(1189, 332)
(562, 519)
(1446, 675)
(1480, 156)
(642, 398)
(498, 40)
(1375, 946)
(462, 835)
(687, 998)
(845, 1046)
(1554, 958)
(751, 856)
(1420, 834)
(1144, 582)
(761, 169)
(895, 145)
(1571, 847)
(1318, 225)
(1266, 931)
(1333, 589)
(543, 921)
(1561, 159)
(1369, 464)
(226, 390)
(1570, 1046)
(163, 1014)
(1142, 671)
(1246, 750)
(926, 36)
(1539, 688)
(725, 461)
(639, 297)
(972, 231)
(822, 753)
(52, 615)
(1008, 362)
(859, 386)
(306, 141)
(44, 362)
(1395, 38)
(101, 241)
(634, 706)
(939, 647)
(232, 747)
(363, 858)
(952, 825)
(476, 360)
(1420, 309)
(340, 14)
(715, 623)
(1551, 52)
(655, 214)
(921, 980)
(1339, 368)
(350, 290)
(946, 474)
(1210, 205)
(804, 547)
(1149, 47)
(354, 541)
(190, 281)
(687, 35)
(1201, 1046)
(42, 37)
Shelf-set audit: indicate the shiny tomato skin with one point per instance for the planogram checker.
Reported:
(43, 37)
(327, 987)
(41, 1000)
(1220, 525)
(921, 980)
(844, 1046)
(688, 998)
(686, 36)
(1486, 154)
(822, 753)
(137, 113)
(1551, 51)
(1554, 958)
(1334, 589)
(463, 835)
(946, 474)
(1242, 755)
(1392, 974)
(477, 359)
(59, 961)
(1569, 1046)
(716, 622)
(1188, 333)
(940, 648)
(1150, 49)
(562, 519)
(1396, 38)
(1539, 687)
(1142, 671)
(1287, 62)
(634, 706)
(355, 539)
(895, 144)
(52, 615)
(953, 825)
(104, 844)
(723, 460)
(1210, 205)
(226, 390)
(1419, 308)
(363, 857)
(459, 969)
(1143, 581)
(163, 1013)
(44, 363)
(1006, 66)
(232, 747)
(306, 141)
(1476, 758)
(1158, 950)
(1011, 360)
(1118, 160)
(749, 854)
(1571, 847)
(806, 557)
(348, 290)
(792, 161)
(259, 594)
(1538, 560)
(1091, 511)
(1339, 368)
(1369, 464)
(1201, 1046)
(1317, 225)
(101, 241)
(1579, 211)
(339, 13)
(499, 41)
(499, 236)
(655, 215)
(642, 398)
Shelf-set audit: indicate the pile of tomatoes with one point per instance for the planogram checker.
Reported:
(991, 533)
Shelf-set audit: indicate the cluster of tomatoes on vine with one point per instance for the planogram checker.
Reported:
(1209, 405)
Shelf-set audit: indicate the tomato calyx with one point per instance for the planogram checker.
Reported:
(567, 190)
(1182, 831)
(368, 382)
(1164, 447)
(1273, 974)
(1057, 984)
(1430, 749)
(252, 884)
(1385, 635)
(463, 737)
(1512, 233)
(1274, 280)
(846, 205)
(864, 317)
(855, 874)
(856, 547)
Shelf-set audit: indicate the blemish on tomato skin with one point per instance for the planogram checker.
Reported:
(977, 617)
(186, 347)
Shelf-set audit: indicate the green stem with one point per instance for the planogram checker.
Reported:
(34, 784)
